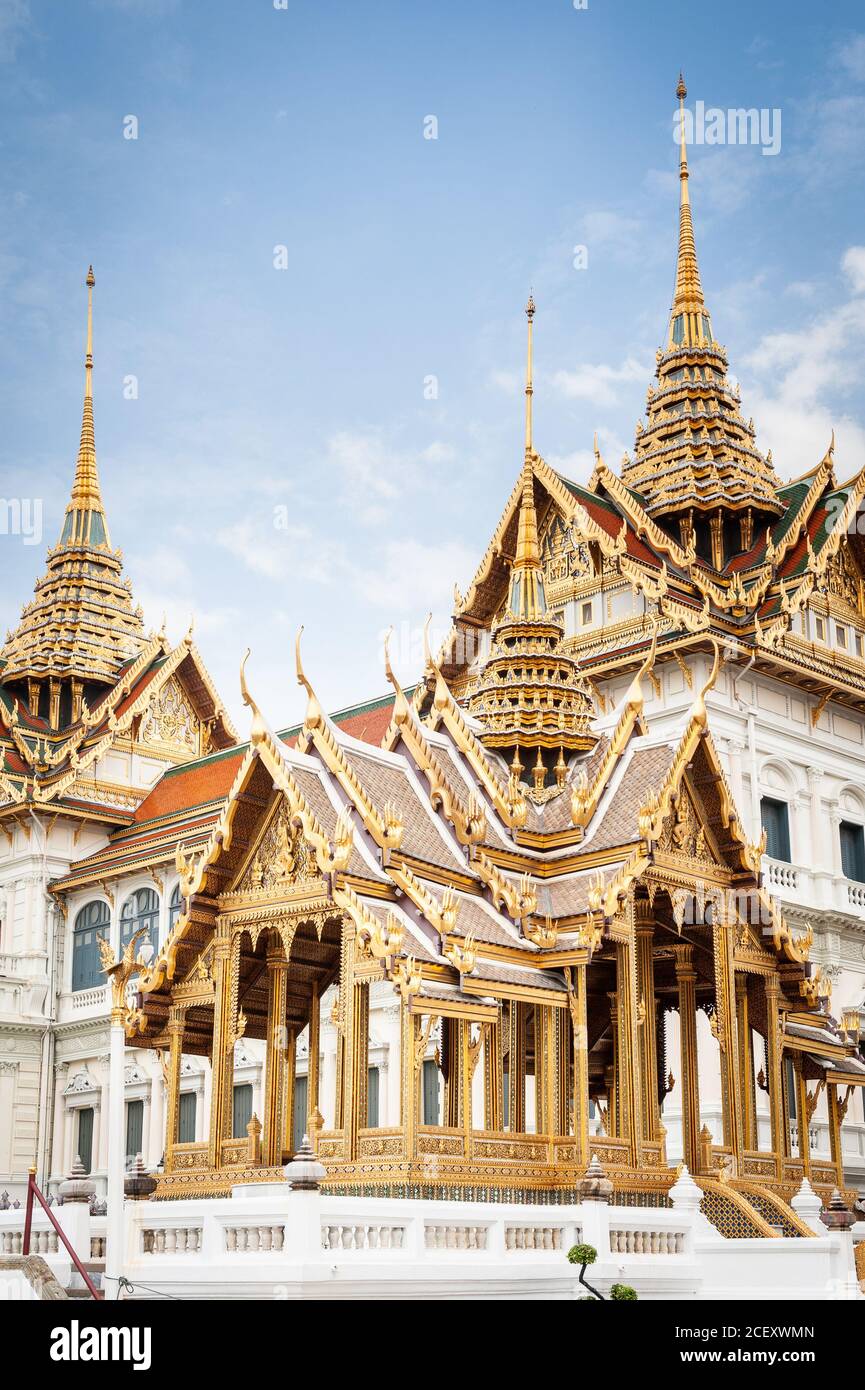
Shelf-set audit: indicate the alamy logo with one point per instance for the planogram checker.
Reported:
(77, 1343)
(739, 126)
(21, 516)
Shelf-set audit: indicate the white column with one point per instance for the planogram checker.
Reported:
(817, 857)
(116, 1165)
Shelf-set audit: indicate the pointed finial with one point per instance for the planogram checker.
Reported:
(258, 728)
(85, 522)
(681, 89)
(530, 314)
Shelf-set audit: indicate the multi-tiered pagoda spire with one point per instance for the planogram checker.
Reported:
(529, 697)
(80, 627)
(696, 462)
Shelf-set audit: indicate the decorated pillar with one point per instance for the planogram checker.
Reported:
(614, 1116)
(358, 1100)
(411, 1055)
(313, 1065)
(803, 1116)
(289, 1073)
(226, 964)
(747, 1093)
(274, 1077)
(468, 1055)
(517, 1069)
(628, 1069)
(579, 1030)
(176, 1021)
(774, 1080)
(725, 1034)
(686, 978)
(837, 1114)
(493, 1119)
(645, 925)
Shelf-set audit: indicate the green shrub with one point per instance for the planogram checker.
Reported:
(622, 1293)
(582, 1254)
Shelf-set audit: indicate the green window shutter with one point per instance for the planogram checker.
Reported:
(298, 1126)
(430, 1093)
(372, 1099)
(186, 1122)
(853, 851)
(776, 823)
(242, 1111)
(91, 923)
(85, 1138)
(134, 1128)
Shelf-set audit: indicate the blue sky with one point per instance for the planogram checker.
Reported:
(298, 393)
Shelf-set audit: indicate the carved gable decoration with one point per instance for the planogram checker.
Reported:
(170, 720)
(683, 832)
(844, 580)
(560, 557)
(282, 859)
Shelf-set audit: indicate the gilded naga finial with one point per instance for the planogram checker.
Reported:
(258, 728)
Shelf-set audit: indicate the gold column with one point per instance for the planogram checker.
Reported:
(686, 978)
(563, 1078)
(628, 1070)
(314, 1064)
(465, 1089)
(274, 1070)
(614, 1115)
(544, 1067)
(837, 1111)
(647, 1029)
(225, 974)
(176, 1019)
(802, 1123)
(493, 1077)
(345, 1043)
(289, 1074)
(411, 1055)
(725, 1024)
(775, 1080)
(746, 1065)
(517, 1070)
(452, 1045)
(358, 1094)
(579, 1028)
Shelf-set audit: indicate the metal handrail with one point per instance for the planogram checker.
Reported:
(33, 1191)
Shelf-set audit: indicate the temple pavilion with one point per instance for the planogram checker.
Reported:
(538, 874)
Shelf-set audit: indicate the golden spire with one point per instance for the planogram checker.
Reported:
(85, 522)
(530, 313)
(688, 297)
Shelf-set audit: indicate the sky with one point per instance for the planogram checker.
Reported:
(314, 226)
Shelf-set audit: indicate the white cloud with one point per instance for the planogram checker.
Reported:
(800, 376)
(853, 263)
(599, 382)
(15, 23)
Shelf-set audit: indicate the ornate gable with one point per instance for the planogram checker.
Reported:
(170, 723)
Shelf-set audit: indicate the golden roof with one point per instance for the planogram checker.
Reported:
(696, 451)
(80, 622)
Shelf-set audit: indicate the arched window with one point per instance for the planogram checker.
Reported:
(175, 907)
(91, 923)
(140, 910)
(776, 823)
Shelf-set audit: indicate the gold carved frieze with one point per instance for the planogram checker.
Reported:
(170, 720)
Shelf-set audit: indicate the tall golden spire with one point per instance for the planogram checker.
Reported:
(80, 625)
(697, 459)
(689, 322)
(85, 523)
(530, 313)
